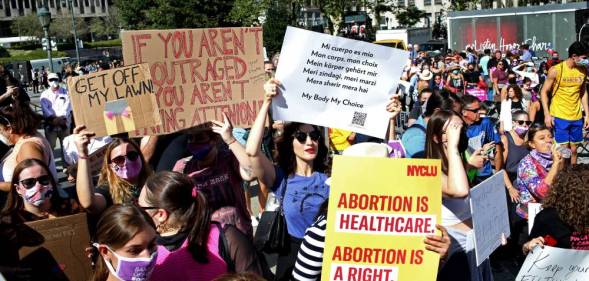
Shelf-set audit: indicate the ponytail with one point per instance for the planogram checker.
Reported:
(198, 217)
(188, 208)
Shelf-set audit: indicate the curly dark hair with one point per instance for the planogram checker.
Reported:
(569, 195)
(285, 155)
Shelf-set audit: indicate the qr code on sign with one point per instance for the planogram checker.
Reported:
(359, 118)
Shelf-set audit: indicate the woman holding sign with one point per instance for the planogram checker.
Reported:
(123, 174)
(446, 140)
(299, 175)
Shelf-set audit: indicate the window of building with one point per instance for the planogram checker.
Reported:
(438, 2)
(411, 3)
(427, 2)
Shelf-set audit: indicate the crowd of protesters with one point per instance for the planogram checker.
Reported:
(177, 207)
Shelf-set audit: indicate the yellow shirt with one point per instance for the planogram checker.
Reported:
(566, 92)
(339, 138)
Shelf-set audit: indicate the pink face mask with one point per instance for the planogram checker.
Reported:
(38, 194)
(129, 170)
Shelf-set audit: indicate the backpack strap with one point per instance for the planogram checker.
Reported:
(417, 126)
(224, 247)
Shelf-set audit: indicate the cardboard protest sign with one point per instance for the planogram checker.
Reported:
(114, 101)
(336, 82)
(64, 241)
(200, 73)
(488, 205)
(533, 210)
(380, 209)
(550, 263)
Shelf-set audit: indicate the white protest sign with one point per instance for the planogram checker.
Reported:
(551, 263)
(488, 205)
(533, 210)
(336, 82)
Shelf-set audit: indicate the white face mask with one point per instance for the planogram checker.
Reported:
(54, 84)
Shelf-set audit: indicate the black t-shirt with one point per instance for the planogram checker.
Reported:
(556, 232)
(472, 76)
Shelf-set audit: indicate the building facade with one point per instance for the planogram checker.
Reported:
(11, 9)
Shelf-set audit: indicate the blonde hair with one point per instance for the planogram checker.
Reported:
(120, 189)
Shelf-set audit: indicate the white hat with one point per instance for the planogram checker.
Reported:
(52, 76)
(365, 149)
(426, 75)
(368, 149)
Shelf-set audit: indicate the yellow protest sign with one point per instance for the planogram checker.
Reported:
(380, 210)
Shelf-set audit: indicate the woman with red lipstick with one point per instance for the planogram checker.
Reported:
(298, 176)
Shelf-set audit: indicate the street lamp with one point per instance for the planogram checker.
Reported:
(71, 7)
(45, 20)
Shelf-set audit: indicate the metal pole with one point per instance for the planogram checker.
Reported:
(75, 32)
(46, 30)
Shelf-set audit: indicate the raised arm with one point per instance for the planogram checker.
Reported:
(89, 200)
(456, 184)
(262, 167)
(225, 130)
(548, 83)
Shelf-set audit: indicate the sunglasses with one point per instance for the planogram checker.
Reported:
(476, 110)
(148, 208)
(522, 122)
(302, 136)
(120, 160)
(31, 182)
(53, 80)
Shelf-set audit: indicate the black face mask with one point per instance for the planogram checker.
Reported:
(512, 81)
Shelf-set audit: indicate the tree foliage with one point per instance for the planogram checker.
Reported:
(277, 20)
(60, 28)
(142, 14)
(247, 12)
(107, 26)
(27, 26)
(409, 16)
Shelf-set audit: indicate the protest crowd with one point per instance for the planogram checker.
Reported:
(178, 206)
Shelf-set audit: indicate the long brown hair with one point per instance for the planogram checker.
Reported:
(14, 202)
(174, 193)
(285, 155)
(435, 129)
(120, 189)
(117, 225)
(569, 195)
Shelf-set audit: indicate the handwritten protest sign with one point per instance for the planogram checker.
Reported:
(376, 224)
(200, 73)
(488, 205)
(336, 82)
(550, 263)
(533, 210)
(63, 242)
(114, 101)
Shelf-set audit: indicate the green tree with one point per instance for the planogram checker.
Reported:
(133, 13)
(61, 28)
(463, 5)
(334, 11)
(247, 12)
(277, 20)
(27, 26)
(107, 26)
(409, 16)
(141, 14)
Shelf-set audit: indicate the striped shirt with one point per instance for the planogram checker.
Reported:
(310, 256)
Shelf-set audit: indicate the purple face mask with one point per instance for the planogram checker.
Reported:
(199, 151)
(129, 170)
(131, 269)
(521, 131)
(38, 194)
